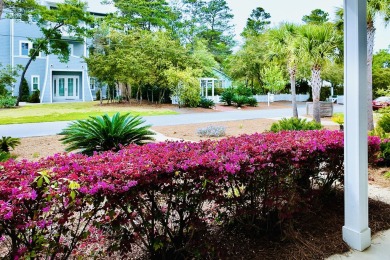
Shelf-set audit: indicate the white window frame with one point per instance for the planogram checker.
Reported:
(32, 82)
(30, 46)
(92, 86)
(71, 50)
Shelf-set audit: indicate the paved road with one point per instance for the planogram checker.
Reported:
(52, 128)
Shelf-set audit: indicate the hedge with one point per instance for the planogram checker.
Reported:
(161, 194)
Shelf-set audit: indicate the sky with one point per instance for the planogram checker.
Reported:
(293, 11)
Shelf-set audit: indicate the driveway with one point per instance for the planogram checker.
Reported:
(53, 128)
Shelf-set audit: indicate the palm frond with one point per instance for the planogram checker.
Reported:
(103, 133)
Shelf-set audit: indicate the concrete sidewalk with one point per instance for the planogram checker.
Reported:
(53, 128)
(380, 244)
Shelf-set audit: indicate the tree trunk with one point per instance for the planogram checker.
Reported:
(101, 94)
(292, 72)
(370, 51)
(316, 90)
(21, 81)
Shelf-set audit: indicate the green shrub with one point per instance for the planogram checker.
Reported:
(378, 131)
(34, 98)
(240, 100)
(338, 118)
(104, 133)
(384, 122)
(7, 101)
(251, 101)
(227, 96)
(206, 103)
(212, 131)
(7, 142)
(25, 91)
(286, 124)
(4, 156)
(244, 91)
(384, 157)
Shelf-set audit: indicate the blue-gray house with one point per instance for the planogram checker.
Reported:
(57, 82)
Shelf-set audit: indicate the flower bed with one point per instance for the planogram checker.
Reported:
(161, 194)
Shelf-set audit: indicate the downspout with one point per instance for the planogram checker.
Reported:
(47, 75)
(12, 42)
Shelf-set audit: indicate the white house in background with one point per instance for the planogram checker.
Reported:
(57, 82)
(208, 85)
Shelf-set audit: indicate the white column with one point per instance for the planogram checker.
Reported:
(212, 89)
(356, 232)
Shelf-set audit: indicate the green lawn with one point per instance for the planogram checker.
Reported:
(34, 113)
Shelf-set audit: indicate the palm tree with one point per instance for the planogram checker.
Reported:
(375, 8)
(283, 39)
(317, 46)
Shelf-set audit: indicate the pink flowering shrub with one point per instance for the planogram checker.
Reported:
(161, 195)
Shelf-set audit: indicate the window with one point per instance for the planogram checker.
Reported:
(92, 83)
(34, 82)
(24, 48)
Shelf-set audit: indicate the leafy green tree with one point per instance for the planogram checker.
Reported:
(334, 74)
(284, 48)
(105, 133)
(317, 16)
(216, 25)
(273, 78)
(257, 23)
(17, 8)
(140, 60)
(185, 85)
(246, 64)
(68, 16)
(317, 46)
(188, 23)
(8, 77)
(142, 14)
(381, 71)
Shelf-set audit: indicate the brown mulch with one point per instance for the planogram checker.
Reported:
(314, 235)
(376, 176)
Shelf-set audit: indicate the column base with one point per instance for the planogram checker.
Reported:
(357, 240)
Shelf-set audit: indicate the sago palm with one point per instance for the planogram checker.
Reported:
(317, 46)
(104, 133)
(7, 142)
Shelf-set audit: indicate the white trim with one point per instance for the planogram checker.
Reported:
(90, 81)
(45, 82)
(20, 48)
(82, 80)
(89, 89)
(12, 42)
(71, 49)
(81, 83)
(32, 82)
(30, 46)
